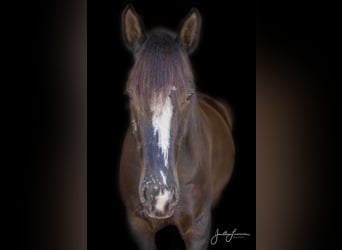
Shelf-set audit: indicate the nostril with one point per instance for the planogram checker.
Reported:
(150, 192)
(174, 195)
(147, 194)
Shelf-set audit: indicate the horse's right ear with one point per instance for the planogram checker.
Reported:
(132, 28)
(190, 29)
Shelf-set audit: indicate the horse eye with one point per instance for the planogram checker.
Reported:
(188, 97)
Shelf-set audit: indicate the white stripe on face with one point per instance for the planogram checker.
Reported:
(164, 177)
(161, 122)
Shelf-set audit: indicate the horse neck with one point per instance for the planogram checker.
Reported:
(195, 132)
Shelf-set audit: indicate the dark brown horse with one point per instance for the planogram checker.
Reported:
(178, 152)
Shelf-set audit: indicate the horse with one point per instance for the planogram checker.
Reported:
(178, 152)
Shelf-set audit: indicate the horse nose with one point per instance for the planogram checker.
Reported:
(159, 201)
(150, 192)
(158, 195)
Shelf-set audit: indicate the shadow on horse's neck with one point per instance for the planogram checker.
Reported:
(196, 132)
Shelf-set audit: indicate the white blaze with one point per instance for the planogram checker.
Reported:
(164, 177)
(161, 122)
(161, 200)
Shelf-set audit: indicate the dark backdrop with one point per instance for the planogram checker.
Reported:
(299, 48)
(224, 66)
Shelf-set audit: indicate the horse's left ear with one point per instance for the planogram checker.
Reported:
(189, 32)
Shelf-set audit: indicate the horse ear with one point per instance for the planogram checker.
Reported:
(189, 31)
(132, 28)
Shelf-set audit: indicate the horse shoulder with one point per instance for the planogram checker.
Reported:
(219, 121)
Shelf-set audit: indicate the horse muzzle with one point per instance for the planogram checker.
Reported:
(158, 201)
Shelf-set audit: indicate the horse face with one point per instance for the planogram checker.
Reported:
(159, 86)
(156, 135)
(160, 137)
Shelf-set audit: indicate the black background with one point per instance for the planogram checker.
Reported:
(224, 66)
(304, 36)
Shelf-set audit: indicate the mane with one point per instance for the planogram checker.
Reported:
(161, 66)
